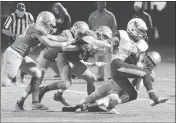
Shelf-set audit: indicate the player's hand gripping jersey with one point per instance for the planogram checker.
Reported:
(127, 46)
(27, 40)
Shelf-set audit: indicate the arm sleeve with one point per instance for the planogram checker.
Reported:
(7, 23)
(40, 31)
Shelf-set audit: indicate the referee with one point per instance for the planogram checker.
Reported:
(15, 25)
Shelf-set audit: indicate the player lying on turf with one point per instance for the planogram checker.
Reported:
(111, 94)
(130, 43)
(41, 65)
(14, 55)
(79, 68)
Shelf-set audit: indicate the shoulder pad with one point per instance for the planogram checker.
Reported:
(142, 46)
(40, 30)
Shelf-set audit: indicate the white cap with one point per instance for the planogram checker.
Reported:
(139, 4)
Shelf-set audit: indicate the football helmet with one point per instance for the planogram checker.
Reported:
(47, 19)
(103, 33)
(151, 60)
(79, 28)
(137, 28)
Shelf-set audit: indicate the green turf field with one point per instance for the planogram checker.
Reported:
(136, 111)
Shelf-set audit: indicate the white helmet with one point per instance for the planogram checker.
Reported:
(137, 28)
(79, 28)
(151, 60)
(104, 33)
(47, 20)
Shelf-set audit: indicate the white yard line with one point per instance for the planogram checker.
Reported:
(139, 99)
(164, 79)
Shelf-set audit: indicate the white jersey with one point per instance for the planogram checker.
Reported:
(127, 46)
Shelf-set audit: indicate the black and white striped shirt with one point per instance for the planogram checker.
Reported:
(16, 24)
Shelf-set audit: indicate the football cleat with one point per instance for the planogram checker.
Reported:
(38, 106)
(160, 100)
(19, 107)
(61, 99)
(69, 109)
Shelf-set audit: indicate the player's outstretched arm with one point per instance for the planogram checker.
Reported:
(96, 43)
(70, 48)
(57, 38)
(47, 42)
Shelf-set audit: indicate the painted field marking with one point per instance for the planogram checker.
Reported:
(84, 93)
(165, 79)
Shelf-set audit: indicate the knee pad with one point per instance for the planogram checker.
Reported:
(37, 73)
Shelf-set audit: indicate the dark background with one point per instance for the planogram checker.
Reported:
(164, 20)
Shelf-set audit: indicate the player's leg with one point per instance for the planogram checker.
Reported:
(101, 92)
(100, 70)
(80, 70)
(89, 101)
(53, 66)
(29, 67)
(43, 65)
(65, 71)
(12, 62)
(120, 69)
(22, 74)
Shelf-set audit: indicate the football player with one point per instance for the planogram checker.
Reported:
(48, 56)
(130, 43)
(78, 68)
(112, 93)
(14, 55)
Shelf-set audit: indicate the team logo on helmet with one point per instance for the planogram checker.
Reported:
(137, 28)
(151, 60)
(47, 20)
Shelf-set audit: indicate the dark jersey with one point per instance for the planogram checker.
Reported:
(52, 53)
(25, 42)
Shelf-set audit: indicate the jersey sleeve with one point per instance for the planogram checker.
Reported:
(66, 34)
(40, 30)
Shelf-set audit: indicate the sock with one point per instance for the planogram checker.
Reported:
(21, 101)
(35, 83)
(25, 94)
(147, 82)
(148, 85)
(152, 96)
